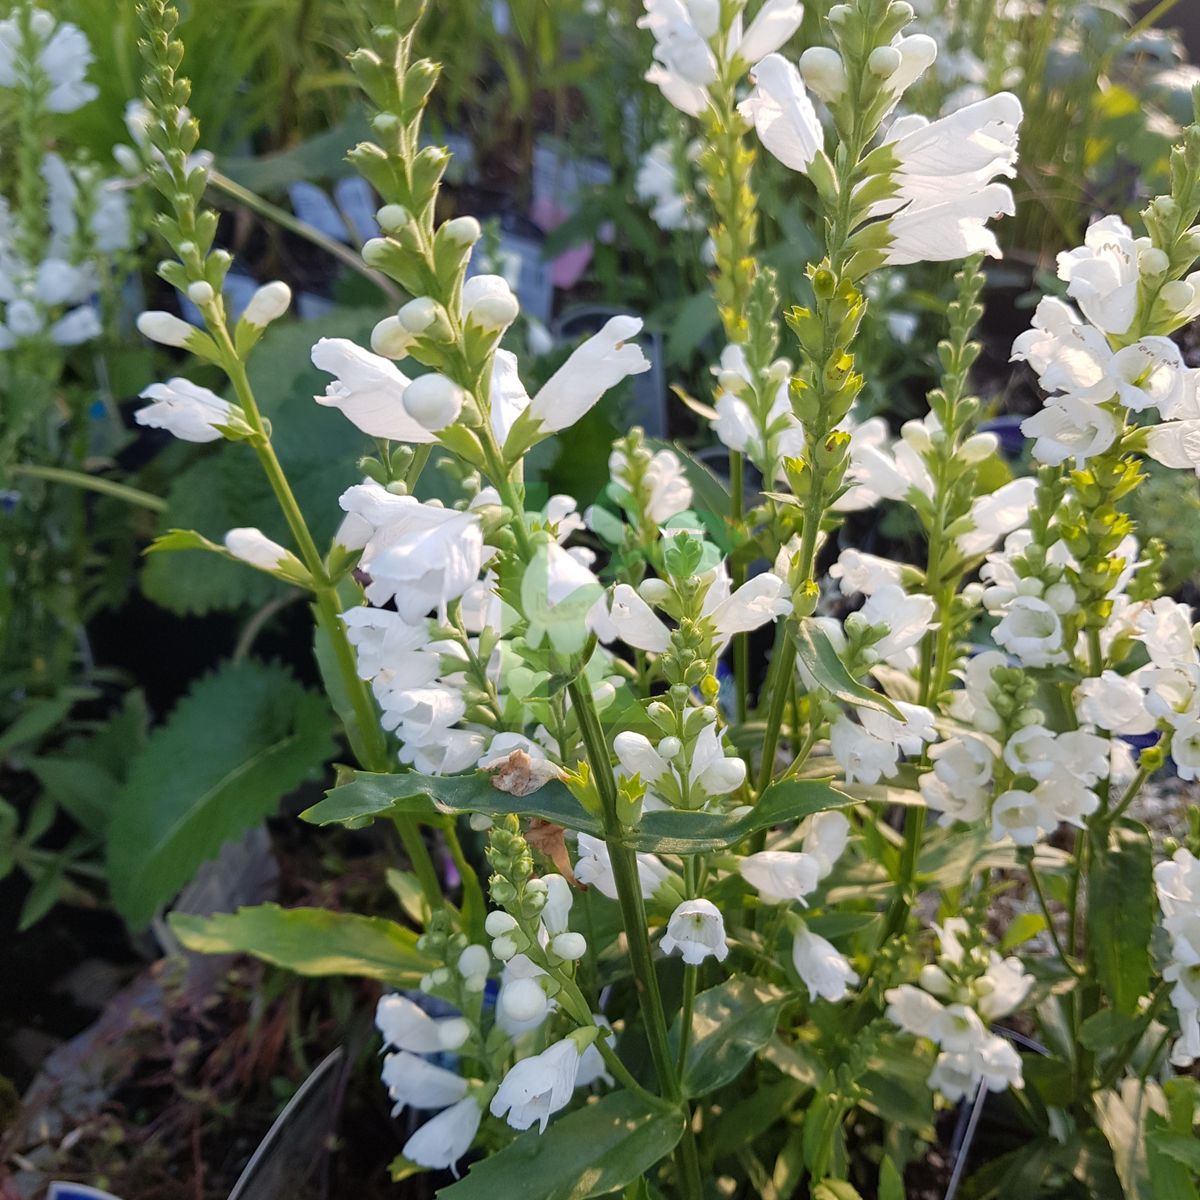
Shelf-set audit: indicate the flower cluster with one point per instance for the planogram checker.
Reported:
(1178, 886)
(967, 988)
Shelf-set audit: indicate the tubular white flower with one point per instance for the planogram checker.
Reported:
(489, 302)
(369, 390)
(697, 930)
(779, 876)
(443, 1140)
(1069, 428)
(421, 555)
(594, 868)
(63, 58)
(1102, 275)
(1149, 374)
(756, 602)
(599, 364)
(949, 230)
(625, 615)
(997, 514)
(822, 968)
(414, 1083)
(823, 70)
(781, 112)
(772, 26)
(537, 1087)
(864, 574)
(254, 547)
(190, 412)
(406, 1026)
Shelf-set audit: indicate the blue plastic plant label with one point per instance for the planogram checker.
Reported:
(77, 1191)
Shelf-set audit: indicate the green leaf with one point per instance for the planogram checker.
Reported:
(835, 1189)
(1120, 1115)
(817, 653)
(1021, 928)
(1120, 914)
(241, 739)
(731, 1023)
(369, 795)
(43, 895)
(592, 1152)
(310, 941)
(1108, 1029)
(891, 1181)
(83, 789)
(36, 720)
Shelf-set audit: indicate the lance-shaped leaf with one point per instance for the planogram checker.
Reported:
(310, 941)
(592, 1152)
(1120, 914)
(731, 1023)
(818, 655)
(366, 796)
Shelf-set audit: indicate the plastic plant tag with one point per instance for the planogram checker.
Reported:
(296, 1142)
(77, 1191)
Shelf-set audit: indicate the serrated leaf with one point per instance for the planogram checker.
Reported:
(1120, 914)
(592, 1152)
(427, 796)
(818, 655)
(731, 1023)
(241, 739)
(310, 941)
(182, 539)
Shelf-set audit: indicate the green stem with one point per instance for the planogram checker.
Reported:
(1051, 928)
(91, 483)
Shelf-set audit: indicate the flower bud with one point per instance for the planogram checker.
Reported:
(390, 339)
(474, 960)
(392, 218)
(504, 948)
(824, 72)
(884, 61)
(461, 231)
(480, 822)
(419, 314)
(934, 979)
(570, 946)
(377, 252)
(669, 747)
(1177, 295)
(978, 447)
(838, 14)
(498, 923)
(523, 1000)
(916, 435)
(1153, 261)
(495, 312)
(453, 1032)
(268, 304)
(201, 293)
(165, 328)
(254, 547)
(654, 591)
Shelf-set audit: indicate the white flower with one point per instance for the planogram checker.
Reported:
(768, 441)
(1068, 355)
(80, 325)
(822, 968)
(997, 514)
(1149, 374)
(63, 58)
(915, 1011)
(823, 70)
(421, 555)
(443, 1140)
(906, 618)
(190, 412)
(433, 401)
(1113, 702)
(1023, 816)
(489, 302)
(950, 229)
(684, 63)
(1175, 444)
(1070, 428)
(1031, 631)
(414, 1083)
(670, 493)
(780, 875)
(628, 617)
(557, 595)
(657, 183)
(957, 786)
(954, 157)
(772, 26)
(594, 868)
(537, 1087)
(1102, 275)
(697, 930)
(756, 602)
(713, 772)
(521, 1005)
(254, 547)
(602, 362)
(781, 112)
(1002, 988)
(406, 1026)
(865, 574)
(825, 836)
(369, 390)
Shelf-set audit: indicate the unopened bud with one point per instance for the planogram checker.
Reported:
(268, 304)
(164, 328)
(461, 231)
(391, 339)
(884, 61)
(393, 217)
(201, 293)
